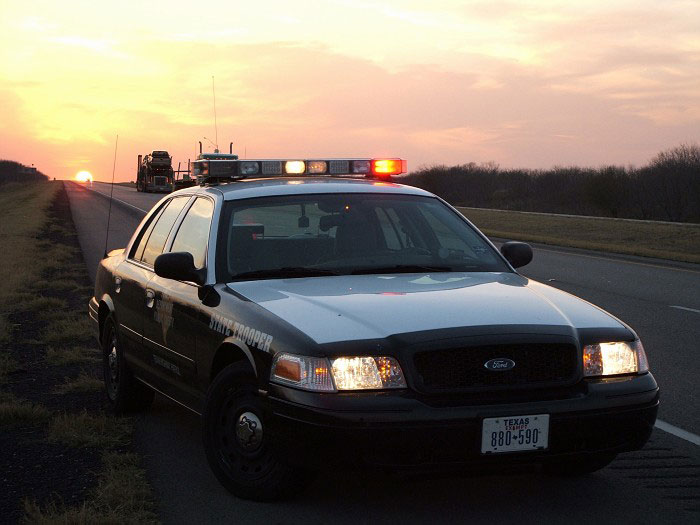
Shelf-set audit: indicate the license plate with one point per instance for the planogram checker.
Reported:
(515, 433)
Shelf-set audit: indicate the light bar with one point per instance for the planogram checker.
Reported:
(214, 169)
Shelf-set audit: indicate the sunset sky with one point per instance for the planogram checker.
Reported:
(520, 83)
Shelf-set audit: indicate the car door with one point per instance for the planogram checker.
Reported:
(171, 328)
(130, 280)
(134, 300)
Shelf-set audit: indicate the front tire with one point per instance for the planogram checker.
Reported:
(579, 465)
(125, 393)
(237, 448)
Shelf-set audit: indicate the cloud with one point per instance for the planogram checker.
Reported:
(519, 83)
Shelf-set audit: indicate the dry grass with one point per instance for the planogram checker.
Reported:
(67, 330)
(15, 411)
(36, 266)
(86, 430)
(24, 209)
(83, 383)
(70, 356)
(57, 285)
(122, 495)
(665, 241)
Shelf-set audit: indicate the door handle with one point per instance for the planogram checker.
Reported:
(117, 284)
(150, 298)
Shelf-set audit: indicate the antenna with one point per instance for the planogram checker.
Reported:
(216, 128)
(216, 147)
(111, 191)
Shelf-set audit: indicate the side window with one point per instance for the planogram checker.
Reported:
(193, 235)
(161, 230)
(137, 250)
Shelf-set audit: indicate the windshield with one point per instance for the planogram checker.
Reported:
(341, 234)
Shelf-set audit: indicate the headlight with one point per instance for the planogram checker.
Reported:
(609, 359)
(344, 373)
(364, 373)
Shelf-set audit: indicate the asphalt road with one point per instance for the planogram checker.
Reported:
(662, 482)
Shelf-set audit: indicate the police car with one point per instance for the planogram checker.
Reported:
(319, 315)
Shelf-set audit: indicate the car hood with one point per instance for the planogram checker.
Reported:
(356, 307)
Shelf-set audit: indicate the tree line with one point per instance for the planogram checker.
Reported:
(666, 189)
(11, 171)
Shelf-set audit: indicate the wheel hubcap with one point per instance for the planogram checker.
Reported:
(249, 431)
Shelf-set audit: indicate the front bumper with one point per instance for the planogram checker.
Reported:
(395, 430)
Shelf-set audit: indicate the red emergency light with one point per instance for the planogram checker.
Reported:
(388, 167)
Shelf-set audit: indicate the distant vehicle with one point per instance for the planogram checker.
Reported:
(155, 172)
(317, 321)
(183, 178)
(215, 166)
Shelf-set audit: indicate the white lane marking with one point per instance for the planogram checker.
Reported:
(678, 432)
(685, 308)
(119, 200)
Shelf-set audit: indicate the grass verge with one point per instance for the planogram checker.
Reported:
(678, 242)
(121, 496)
(83, 383)
(45, 338)
(14, 411)
(24, 215)
(88, 430)
(70, 356)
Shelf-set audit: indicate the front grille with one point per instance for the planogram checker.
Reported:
(161, 181)
(462, 369)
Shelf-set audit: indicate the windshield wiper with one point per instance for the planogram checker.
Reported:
(281, 273)
(402, 268)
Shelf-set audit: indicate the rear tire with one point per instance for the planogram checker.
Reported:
(579, 465)
(237, 449)
(125, 393)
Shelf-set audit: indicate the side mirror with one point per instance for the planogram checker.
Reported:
(180, 267)
(517, 253)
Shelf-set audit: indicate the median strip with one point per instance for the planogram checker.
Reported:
(663, 240)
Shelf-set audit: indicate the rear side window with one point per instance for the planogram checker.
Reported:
(193, 235)
(159, 234)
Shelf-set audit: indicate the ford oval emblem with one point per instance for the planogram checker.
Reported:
(501, 363)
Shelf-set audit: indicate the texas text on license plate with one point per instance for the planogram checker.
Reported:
(515, 433)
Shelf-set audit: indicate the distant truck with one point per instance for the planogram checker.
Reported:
(217, 165)
(155, 172)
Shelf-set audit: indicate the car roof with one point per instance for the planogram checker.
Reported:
(269, 187)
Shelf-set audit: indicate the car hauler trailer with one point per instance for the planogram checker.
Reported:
(155, 172)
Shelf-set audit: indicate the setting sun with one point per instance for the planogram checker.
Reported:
(83, 176)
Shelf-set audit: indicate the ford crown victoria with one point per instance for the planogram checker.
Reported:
(316, 320)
